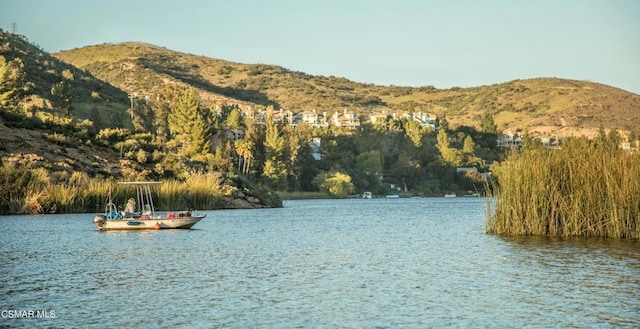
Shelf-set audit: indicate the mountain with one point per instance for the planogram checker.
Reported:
(92, 97)
(543, 106)
(29, 137)
(103, 76)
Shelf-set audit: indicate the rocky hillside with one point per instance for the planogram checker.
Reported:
(548, 106)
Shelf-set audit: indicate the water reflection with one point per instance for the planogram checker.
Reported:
(322, 263)
(570, 275)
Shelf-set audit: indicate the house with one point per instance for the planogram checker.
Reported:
(346, 119)
(379, 118)
(426, 120)
(314, 119)
(509, 139)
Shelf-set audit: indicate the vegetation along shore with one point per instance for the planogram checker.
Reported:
(584, 188)
(221, 134)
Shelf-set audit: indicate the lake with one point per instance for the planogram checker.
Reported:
(379, 263)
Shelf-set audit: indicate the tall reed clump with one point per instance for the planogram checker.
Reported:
(197, 191)
(582, 189)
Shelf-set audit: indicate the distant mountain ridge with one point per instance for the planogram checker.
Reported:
(37, 130)
(104, 75)
(542, 105)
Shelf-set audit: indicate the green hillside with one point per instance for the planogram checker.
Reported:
(38, 72)
(141, 112)
(543, 105)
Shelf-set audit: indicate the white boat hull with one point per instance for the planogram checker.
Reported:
(104, 224)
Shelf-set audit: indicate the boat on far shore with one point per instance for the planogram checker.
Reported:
(144, 216)
(450, 195)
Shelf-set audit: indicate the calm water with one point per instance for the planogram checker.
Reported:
(403, 263)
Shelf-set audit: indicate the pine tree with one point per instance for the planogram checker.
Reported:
(450, 155)
(274, 167)
(487, 124)
(189, 126)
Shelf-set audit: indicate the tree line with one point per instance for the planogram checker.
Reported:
(172, 136)
(173, 133)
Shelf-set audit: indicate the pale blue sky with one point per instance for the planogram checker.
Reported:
(399, 42)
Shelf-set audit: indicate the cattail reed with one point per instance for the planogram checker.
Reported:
(584, 188)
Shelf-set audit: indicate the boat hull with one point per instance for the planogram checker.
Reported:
(132, 224)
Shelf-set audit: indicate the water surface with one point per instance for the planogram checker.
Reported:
(380, 263)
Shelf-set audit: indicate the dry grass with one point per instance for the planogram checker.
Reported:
(579, 190)
(27, 191)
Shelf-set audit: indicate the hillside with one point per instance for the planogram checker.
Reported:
(92, 98)
(546, 106)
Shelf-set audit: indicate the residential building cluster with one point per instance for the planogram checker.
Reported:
(344, 118)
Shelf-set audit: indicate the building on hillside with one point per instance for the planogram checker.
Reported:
(509, 139)
(378, 118)
(314, 119)
(426, 120)
(346, 119)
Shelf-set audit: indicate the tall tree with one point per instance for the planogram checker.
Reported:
(62, 96)
(234, 119)
(487, 124)
(449, 154)
(275, 170)
(244, 150)
(414, 132)
(189, 126)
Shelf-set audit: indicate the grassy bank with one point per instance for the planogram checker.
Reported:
(582, 189)
(28, 191)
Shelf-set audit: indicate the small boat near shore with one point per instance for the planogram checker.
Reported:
(144, 217)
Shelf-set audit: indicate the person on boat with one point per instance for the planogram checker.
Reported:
(147, 210)
(130, 208)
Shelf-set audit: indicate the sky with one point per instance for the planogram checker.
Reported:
(445, 44)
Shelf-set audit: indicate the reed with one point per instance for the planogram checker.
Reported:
(35, 191)
(582, 189)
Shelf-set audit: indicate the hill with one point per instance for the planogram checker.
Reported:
(39, 71)
(545, 106)
(28, 132)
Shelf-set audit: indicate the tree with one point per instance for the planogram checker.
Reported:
(11, 80)
(62, 96)
(188, 125)
(414, 131)
(369, 168)
(275, 170)
(234, 119)
(469, 153)
(450, 155)
(222, 160)
(487, 124)
(338, 185)
(244, 149)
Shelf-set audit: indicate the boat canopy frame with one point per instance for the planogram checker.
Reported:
(143, 194)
